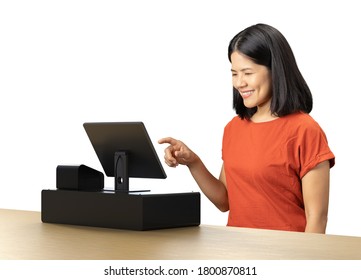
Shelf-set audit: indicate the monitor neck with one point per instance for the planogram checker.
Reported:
(121, 174)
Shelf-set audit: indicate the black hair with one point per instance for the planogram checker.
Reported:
(266, 46)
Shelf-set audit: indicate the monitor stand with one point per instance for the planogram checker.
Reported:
(121, 173)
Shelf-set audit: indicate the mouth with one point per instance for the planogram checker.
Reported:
(246, 94)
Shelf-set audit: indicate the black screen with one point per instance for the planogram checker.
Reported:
(131, 137)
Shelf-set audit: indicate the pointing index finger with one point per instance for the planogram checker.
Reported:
(168, 140)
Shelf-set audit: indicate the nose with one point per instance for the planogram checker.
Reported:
(239, 82)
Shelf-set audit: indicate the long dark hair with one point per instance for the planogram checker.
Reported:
(266, 46)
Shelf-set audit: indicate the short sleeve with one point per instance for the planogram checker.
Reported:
(313, 148)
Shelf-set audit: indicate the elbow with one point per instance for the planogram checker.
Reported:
(316, 223)
(224, 207)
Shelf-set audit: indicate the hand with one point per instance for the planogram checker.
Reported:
(177, 153)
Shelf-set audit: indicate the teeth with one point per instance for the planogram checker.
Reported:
(247, 93)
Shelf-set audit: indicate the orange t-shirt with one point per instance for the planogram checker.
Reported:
(264, 164)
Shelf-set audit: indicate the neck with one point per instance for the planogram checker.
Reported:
(263, 116)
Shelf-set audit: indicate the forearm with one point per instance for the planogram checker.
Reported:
(178, 153)
(315, 188)
(316, 223)
(212, 187)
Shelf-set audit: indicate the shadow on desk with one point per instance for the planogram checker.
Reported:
(24, 236)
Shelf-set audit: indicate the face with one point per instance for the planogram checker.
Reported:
(253, 82)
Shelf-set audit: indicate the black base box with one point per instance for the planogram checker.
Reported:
(111, 209)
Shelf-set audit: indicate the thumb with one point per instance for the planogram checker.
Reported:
(182, 154)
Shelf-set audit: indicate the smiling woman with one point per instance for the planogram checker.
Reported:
(264, 47)
(276, 159)
(254, 84)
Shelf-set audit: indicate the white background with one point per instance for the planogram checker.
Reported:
(63, 63)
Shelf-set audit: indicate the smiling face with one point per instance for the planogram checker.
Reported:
(253, 82)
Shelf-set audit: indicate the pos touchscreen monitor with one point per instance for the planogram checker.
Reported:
(124, 150)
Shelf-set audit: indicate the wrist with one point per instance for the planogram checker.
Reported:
(194, 162)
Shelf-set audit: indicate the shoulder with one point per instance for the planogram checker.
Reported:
(235, 122)
(300, 117)
(234, 128)
(302, 128)
(301, 122)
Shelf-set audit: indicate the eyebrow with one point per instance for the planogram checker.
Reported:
(243, 69)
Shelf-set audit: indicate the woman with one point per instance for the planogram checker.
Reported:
(276, 160)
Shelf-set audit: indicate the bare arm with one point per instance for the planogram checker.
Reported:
(215, 189)
(315, 188)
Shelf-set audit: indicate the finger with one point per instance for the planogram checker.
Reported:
(170, 160)
(169, 156)
(171, 163)
(168, 140)
(168, 152)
